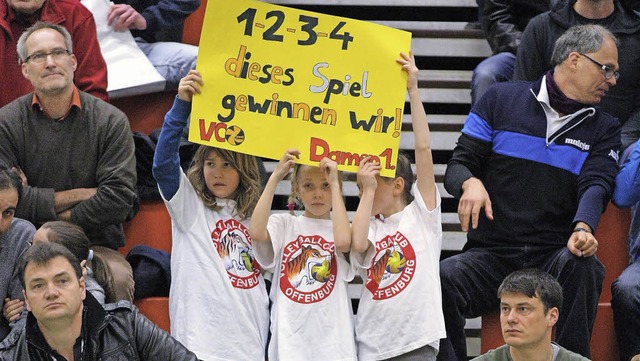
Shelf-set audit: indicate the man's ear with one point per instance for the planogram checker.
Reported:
(75, 62)
(552, 316)
(572, 61)
(24, 71)
(83, 288)
(26, 302)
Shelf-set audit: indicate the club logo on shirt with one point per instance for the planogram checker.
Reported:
(233, 243)
(392, 267)
(308, 269)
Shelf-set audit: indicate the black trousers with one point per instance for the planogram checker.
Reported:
(470, 282)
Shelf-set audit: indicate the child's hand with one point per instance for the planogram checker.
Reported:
(12, 309)
(286, 162)
(330, 169)
(190, 85)
(367, 172)
(408, 63)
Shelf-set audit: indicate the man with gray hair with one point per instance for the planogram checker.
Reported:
(75, 150)
(530, 304)
(533, 171)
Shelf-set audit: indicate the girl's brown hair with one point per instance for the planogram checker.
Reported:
(248, 192)
(404, 171)
(72, 237)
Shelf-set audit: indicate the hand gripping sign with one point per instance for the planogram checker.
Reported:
(278, 78)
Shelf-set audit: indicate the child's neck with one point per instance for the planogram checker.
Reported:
(313, 216)
(393, 208)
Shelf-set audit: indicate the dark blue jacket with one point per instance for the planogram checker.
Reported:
(538, 187)
(164, 17)
(539, 38)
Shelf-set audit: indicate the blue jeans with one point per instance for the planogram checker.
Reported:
(470, 282)
(172, 60)
(494, 69)
(625, 302)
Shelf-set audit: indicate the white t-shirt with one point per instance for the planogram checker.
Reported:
(401, 302)
(311, 315)
(218, 301)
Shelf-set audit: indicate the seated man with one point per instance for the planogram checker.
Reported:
(17, 15)
(65, 322)
(157, 27)
(625, 291)
(540, 158)
(530, 303)
(15, 235)
(539, 37)
(76, 151)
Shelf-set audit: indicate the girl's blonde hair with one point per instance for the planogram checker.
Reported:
(294, 200)
(248, 191)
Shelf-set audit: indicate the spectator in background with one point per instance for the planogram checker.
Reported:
(78, 327)
(76, 151)
(625, 290)
(17, 15)
(530, 303)
(541, 159)
(539, 37)
(15, 235)
(157, 28)
(503, 22)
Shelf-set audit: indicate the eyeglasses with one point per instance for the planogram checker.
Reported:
(41, 57)
(608, 71)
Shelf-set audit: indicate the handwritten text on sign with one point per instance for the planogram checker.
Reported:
(278, 78)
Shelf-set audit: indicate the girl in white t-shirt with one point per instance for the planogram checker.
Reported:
(311, 312)
(397, 252)
(218, 302)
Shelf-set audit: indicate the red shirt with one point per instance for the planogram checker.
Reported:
(91, 73)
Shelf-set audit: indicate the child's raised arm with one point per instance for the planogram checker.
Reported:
(260, 216)
(367, 184)
(424, 159)
(166, 160)
(340, 219)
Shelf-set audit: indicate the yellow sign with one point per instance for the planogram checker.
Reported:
(279, 78)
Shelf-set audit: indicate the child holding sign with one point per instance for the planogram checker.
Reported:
(218, 302)
(311, 313)
(400, 312)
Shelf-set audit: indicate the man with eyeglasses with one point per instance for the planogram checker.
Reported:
(17, 15)
(76, 151)
(533, 171)
(541, 33)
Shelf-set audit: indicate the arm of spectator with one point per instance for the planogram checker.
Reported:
(91, 73)
(167, 13)
(631, 128)
(154, 344)
(596, 179)
(502, 31)
(124, 17)
(166, 160)
(22, 232)
(12, 309)
(531, 61)
(474, 199)
(627, 186)
(582, 242)
(65, 200)
(115, 176)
